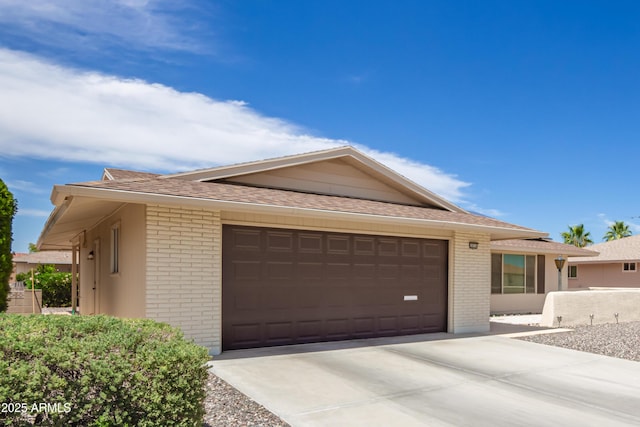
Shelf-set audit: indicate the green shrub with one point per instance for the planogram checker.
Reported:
(8, 209)
(98, 371)
(56, 286)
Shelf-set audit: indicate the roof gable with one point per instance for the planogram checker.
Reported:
(342, 171)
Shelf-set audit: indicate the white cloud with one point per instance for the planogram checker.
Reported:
(38, 213)
(54, 112)
(92, 24)
(26, 186)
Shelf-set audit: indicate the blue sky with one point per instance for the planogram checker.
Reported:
(527, 111)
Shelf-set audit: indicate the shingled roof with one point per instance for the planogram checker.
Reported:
(82, 205)
(541, 246)
(224, 192)
(625, 249)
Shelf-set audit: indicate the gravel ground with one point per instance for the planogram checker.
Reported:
(610, 339)
(226, 406)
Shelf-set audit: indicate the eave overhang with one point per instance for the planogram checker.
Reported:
(81, 208)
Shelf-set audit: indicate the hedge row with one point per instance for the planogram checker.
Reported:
(98, 371)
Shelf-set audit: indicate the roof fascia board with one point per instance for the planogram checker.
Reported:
(106, 175)
(57, 213)
(261, 165)
(138, 197)
(523, 250)
(572, 260)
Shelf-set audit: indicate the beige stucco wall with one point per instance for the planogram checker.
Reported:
(576, 307)
(530, 303)
(120, 294)
(184, 272)
(604, 275)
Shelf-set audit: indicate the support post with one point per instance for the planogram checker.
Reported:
(74, 279)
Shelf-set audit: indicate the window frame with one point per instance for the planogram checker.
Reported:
(573, 268)
(529, 273)
(114, 251)
(629, 267)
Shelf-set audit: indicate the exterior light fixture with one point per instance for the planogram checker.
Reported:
(473, 245)
(90, 256)
(559, 265)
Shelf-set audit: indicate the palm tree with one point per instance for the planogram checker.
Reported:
(617, 230)
(576, 236)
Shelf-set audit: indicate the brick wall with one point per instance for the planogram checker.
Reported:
(184, 276)
(471, 283)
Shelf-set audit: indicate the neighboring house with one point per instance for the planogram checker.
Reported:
(523, 271)
(321, 246)
(23, 263)
(616, 266)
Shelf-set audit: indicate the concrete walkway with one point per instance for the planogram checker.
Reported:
(436, 380)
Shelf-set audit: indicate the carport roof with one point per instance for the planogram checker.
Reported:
(541, 246)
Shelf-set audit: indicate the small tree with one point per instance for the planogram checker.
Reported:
(8, 208)
(576, 236)
(56, 286)
(617, 230)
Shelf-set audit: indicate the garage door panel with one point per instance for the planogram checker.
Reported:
(338, 245)
(246, 240)
(364, 272)
(411, 274)
(247, 334)
(294, 286)
(279, 242)
(277, 298)
(310, 243)
(388, 324)
(310, 271)
(364, 325)
(309, 297)
(364, 246)
(388, 247)
(336, 297)
(247, 299)
(279, 270)
(310, 330)
(389, 271)
(335, 270)
(337, 328)
(247, 270)
(277, 332)
(433, 250)
(410, 249)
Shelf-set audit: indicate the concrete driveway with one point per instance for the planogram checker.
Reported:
(436, 380)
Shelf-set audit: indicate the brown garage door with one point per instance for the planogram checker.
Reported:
(293, 286)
